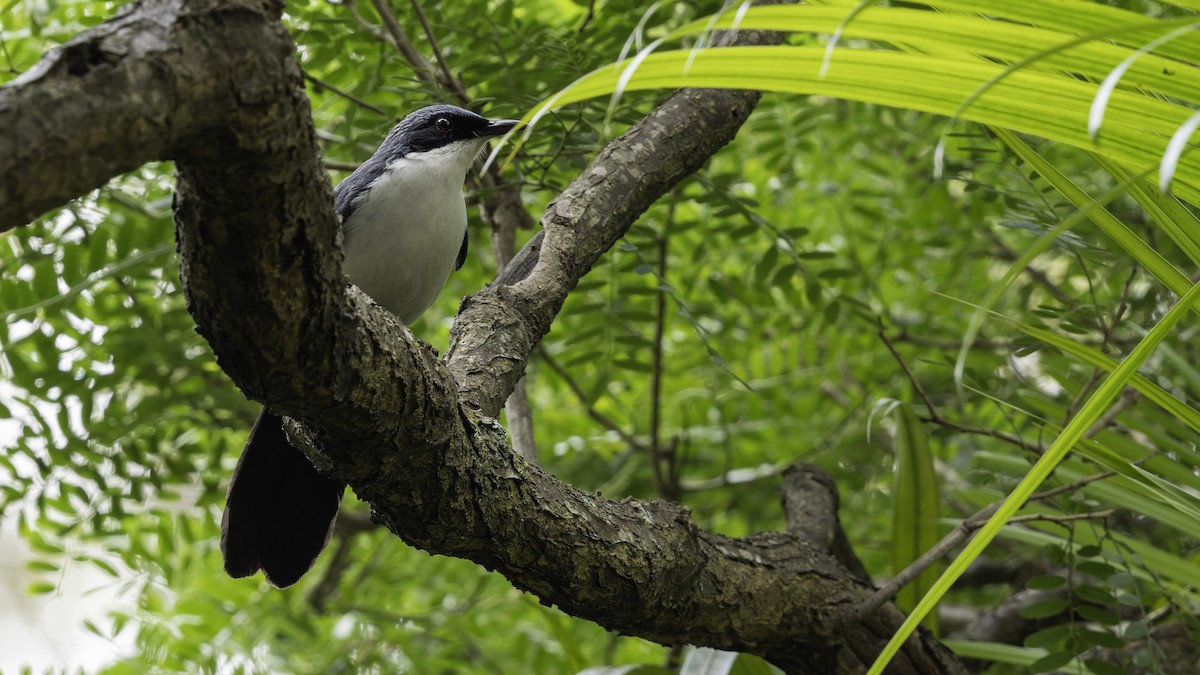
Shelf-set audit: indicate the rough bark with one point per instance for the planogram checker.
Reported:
(213, 86)
(131, 91)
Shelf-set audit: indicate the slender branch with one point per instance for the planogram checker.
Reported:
(749, 475)
(968, 526)
(587, 19)
(1069, 487)
(346, 95)
(916, 384)
(905, 335)
(1109, 329)
(935, 417)
(339, 562)
(7, 56)
(1051, 518)
(498, 210)
(602, 419)
(90, 280)
(375, 31)
(1129, 397)
(960, 534)
(450, 83)
(1005, 253)
(990, 433)
(667, 481)
(421, 65)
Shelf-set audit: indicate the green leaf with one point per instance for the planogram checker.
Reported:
(1049, 105)
(1050, 662)
(41, 566)
(1045, 582)
(1045, 608)
(41, 588)
(1048, 638)
(1097, 615)
(994, 651)
(915, 508)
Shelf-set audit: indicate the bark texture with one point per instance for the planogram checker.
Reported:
(213, 85)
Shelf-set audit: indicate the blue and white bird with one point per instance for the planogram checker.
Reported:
(404, 227)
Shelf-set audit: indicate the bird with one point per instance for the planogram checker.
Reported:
(404, 229)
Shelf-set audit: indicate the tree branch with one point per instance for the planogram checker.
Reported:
(130, 91)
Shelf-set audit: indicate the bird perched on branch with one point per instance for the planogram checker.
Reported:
(404, 227)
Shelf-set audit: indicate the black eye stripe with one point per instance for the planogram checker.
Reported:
(442, 124)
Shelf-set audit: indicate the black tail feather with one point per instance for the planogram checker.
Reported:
(280, 510)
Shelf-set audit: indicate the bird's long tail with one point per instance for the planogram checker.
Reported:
(279, 511)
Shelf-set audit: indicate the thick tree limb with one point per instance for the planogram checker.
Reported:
(261, 266)
(131, 91)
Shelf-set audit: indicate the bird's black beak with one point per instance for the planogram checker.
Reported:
(498, 128)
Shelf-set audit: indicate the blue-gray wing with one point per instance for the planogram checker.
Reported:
(346, 196)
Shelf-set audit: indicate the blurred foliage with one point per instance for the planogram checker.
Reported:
(755, 295)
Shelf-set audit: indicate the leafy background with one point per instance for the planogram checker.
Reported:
(751, 319)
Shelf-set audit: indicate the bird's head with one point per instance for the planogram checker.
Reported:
(446, 132)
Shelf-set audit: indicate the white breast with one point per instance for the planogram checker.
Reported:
(403, 239)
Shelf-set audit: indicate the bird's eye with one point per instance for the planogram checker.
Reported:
(443, 125)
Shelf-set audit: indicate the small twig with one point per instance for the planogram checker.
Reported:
(936, 418)
(384, 616)
(1104, 342)
(1073, 485)
(830, 390)
(978, 343)
(318, 598)
(1050, 518)
(587, 19)
(1083, 392)
(916, 384)
(90, 280)
(452, 84)
(1016, 441)
(504, 235)
(371, 28)
(7, 56)
(424, 69)
(1006, 253)
(674, 658)
(596, 415)
(350, 523)
(668, 483)
(346, 95)
(702, 484)
(957, 536)
(1128, 398)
